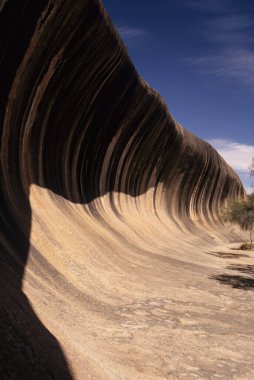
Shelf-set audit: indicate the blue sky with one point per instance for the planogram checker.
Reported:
(199, 55)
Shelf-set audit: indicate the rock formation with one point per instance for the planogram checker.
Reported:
(101, 193)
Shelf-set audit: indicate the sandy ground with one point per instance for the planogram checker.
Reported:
(128, 298)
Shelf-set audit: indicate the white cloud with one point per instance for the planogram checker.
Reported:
(238, 155)
(249, 190)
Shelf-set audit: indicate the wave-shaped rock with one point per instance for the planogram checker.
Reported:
(100, 186)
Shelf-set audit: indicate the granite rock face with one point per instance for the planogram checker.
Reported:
(98, 184)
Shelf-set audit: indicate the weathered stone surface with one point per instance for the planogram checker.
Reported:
(109, 209)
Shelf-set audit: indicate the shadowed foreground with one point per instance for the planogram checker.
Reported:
(110, 235)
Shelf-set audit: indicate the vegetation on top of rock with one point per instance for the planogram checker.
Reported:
(241, 213)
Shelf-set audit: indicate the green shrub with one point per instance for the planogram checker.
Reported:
(241, 213)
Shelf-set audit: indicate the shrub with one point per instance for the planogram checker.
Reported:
(241, 213)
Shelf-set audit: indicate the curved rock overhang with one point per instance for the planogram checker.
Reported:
(77, 120)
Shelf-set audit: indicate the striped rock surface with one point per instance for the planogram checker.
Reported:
(109, 209)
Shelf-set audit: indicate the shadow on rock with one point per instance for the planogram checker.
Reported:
(238, 282)
(227, 255)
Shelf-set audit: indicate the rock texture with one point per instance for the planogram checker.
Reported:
(108, 211)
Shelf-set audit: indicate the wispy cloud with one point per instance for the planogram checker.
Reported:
(237, 155)
(236, 64)
(230, 38)
(209, 5)
(131, 35)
